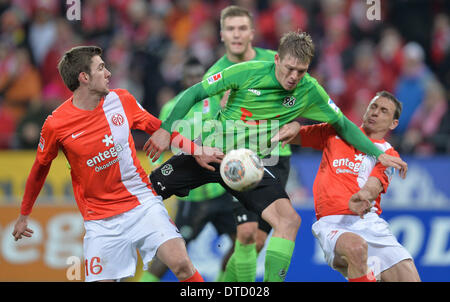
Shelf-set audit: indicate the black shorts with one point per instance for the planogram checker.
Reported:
(192, 216)
(281, 172)
(181, 173)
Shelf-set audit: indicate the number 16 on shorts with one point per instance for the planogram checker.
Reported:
(92, 266)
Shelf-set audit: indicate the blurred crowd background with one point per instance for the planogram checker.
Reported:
(146, 43)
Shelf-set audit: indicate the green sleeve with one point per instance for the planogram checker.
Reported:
(185, 101)
(166, 109)
(354, 136)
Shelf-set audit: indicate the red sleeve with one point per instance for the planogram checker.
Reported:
(142, 120)
(315, 136)
(48, 145)
(384, 174)
(138, 117)
(34, 184)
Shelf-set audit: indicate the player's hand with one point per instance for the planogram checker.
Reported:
(359, 203)
(287, 133)
(395, 162)
(157, 143)
(224, 100)
(21, 228)
(208, 155)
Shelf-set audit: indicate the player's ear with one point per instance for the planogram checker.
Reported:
(83, 77)
(394, 124)
(277, 58)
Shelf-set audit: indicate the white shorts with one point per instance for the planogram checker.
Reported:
(110, 244)
(384, 251)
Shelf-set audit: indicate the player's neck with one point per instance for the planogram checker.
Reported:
(84, 100)
(374, 135)
(248, 55)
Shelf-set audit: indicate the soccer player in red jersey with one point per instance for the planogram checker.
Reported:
(347, 193)
(121, 211)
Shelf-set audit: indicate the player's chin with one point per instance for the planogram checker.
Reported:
(237, 50)
(289, 87)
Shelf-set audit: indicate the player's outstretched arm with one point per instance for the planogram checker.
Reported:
(34, 184)
(184, 103)
(354, 136)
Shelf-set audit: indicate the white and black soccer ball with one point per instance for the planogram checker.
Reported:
(241, 169)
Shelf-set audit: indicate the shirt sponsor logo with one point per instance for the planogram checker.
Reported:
(214, 78)
(257, 92)
(345, 165)
(108, 140)
(111, 153)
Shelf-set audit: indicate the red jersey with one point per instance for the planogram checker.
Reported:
(107, 176)
(343, 170)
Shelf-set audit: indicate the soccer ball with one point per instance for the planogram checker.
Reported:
(241, 169)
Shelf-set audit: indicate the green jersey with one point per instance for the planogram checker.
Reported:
(204, 110)
(257, 100)
(256, 95)
(223, 63)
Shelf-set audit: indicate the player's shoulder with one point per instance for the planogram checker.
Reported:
(167, 108)
(386, 147)
(220, 65)
(125, 97)
(309, 81)
(59, 115)
(61, 111)
(264, 54)
(253, 67)
(121, 92)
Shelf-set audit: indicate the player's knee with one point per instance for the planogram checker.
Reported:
(246, 232)
(182, 267)
(356, 252)
(291, 221)
(261, 237)
(259, 244)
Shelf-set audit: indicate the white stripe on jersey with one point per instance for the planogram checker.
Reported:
(368, 163)
(129, 175)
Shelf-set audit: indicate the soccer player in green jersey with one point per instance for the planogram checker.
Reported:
(207, 203)
(237, 33)
(278, 92)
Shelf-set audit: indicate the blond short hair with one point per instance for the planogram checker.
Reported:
(235, 11)
(297, 44)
